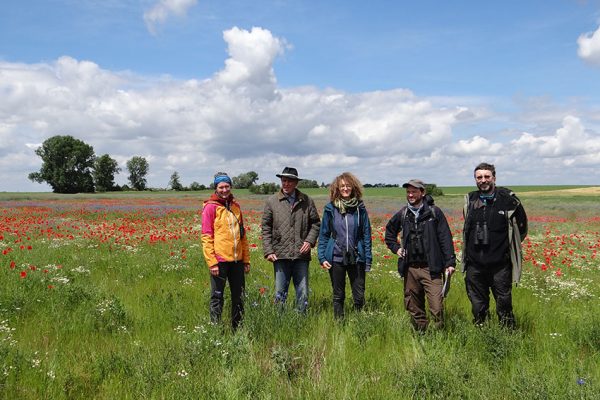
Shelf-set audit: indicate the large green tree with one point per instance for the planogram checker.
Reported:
(175, 182)
(138, 169)
(244, 181)
(66, 165)
(105, 169)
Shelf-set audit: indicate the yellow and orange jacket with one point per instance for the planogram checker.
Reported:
(223, 239)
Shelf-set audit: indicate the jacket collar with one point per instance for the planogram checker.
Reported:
(329, 206)
(281, 196)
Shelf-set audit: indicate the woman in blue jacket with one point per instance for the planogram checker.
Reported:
(345, 241)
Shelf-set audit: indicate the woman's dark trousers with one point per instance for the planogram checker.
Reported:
(234, 273)
(356, 275)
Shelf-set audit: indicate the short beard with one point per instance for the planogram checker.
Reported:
(490, 190)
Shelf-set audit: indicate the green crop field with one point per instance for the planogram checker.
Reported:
(106, 296)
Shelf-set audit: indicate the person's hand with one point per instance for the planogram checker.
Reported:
(401, 252)
(326, 265)
(450, 270)
(214, 270)
(305, 247)
(246, 268)
(272, 257)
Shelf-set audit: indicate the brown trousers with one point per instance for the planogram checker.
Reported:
(418, 284)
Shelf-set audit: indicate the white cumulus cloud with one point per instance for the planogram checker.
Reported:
(570, 140)
(250, 65)
(589, 47)
(163, 10)
(239, 120)
(476, 145)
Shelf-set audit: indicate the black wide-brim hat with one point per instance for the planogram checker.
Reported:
(290, 173)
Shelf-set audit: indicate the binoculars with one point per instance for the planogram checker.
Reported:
(415, 245)
(481, 234)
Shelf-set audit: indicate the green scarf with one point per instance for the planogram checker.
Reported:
(345, 205)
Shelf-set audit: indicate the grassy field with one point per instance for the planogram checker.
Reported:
(106, 296)
(369, 192)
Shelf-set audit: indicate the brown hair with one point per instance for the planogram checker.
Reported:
(486, 167)
(350, 179)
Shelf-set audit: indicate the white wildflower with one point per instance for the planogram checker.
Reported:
(183, 373)
(60, 279)
(180, 329)
(81, 270)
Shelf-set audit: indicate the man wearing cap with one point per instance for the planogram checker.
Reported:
(425, 252)
(290, 228)
(495, 226)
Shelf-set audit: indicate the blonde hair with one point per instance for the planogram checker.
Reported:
(350, 179)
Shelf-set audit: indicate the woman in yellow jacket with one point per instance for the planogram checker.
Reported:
(225, 248)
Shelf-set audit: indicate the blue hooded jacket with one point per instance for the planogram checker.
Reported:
(362, 233)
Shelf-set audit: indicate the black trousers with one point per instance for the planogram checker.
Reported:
(479, 281)
(234, 273)
(356, 275)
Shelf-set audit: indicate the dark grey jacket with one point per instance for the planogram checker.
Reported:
(286, 228)
(437, 238)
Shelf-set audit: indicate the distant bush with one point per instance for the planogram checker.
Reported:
(380, 185)
(307, 183)
(196, 186)
(432, 189)
(264, 188)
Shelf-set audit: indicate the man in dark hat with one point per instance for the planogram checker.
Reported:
(290, 228)
(425, 252)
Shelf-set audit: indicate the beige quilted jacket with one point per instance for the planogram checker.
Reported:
(286, 228)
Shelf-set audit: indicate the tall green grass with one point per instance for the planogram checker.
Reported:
(129, 319)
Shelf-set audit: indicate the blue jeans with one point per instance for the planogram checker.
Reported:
(296, 270)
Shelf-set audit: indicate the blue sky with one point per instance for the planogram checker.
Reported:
(388, 89)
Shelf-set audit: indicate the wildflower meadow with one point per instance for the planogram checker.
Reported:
(106, 296)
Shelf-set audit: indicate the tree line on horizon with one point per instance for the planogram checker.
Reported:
(69, 165)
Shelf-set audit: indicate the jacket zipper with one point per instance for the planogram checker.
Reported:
(232, 229)
(347, 233)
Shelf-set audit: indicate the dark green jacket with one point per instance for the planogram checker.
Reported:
(286, 228)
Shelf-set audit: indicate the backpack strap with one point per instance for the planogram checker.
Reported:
(403, 212)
